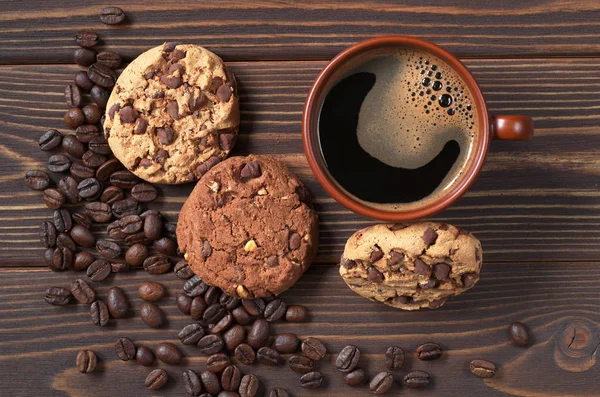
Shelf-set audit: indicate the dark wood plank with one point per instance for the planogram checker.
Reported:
(534, 200)
(242, 30)
(550, 298)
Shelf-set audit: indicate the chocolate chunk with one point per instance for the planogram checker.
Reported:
(170, 46)
(128, 115)
(165, 135)
(145, 163)
(224, 93)
(272, 261)
(469, 279)
(113, 109)
(171, 81)
(295, 241)
(376, 254)
(207, 165)
(161, 156)
(429, 284)
(429, 236)
(197, 103)
(421, 267)
(374, 275)
(226, 141)
(176, 67)
(215, 84)
(397, 226)
(347, 263)
(395, 257)
(173, 109)
(177, 55)
(443, 226)
(141, 124)
(477, 254)
(206, 249)
(437, 303)
(251, 170)
(441, 271)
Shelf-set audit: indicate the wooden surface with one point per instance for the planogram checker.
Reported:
(535, 206)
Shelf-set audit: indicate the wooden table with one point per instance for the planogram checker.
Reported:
(535, 206)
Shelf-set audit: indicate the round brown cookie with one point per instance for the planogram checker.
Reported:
(411, 266)
(173, 114)
(248, 227)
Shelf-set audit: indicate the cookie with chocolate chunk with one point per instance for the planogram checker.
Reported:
(173, 114)
(411, 266)
(248, 227)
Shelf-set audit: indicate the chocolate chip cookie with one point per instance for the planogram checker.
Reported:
(248, 227)
(411, 266)
(173, 114)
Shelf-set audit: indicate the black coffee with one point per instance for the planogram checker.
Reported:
(398, 128)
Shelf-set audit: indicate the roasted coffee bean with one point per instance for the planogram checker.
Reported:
(249, 386)
(100, 95)
(211, 344)
(89, 189)
(191, 334)
(482, 368)
(416, 379)
(99, 270)
(82, 219)
(231, 378)
(125, 349)
(98, 144)
(286, 343)
(191, 383)
(62, 220)
(129, 224)
(58, 163)
(108, 249)
(50, 140)
(267, 356)
(37, 180)
(168, 353)
(93, 160)
(355, 378)
(72, 96)
(84, 56)
(151, 291)
(124, 179)
(68, 187)
(104, 172)
(92, 113)
(119, 267)
(86, 361)
(217, 362)
(48, 257)
(234, 337)
(210, 382)
(394, 358)
(152, 315)
(213, 313)
(258, 336)
(212, 295)
(170, 230)
(223, 324)
(74, 118)
(99, 313)
(82, 236)
(183, 270)
(112, 194)
(62, 259)
(381, 383)
(86, 39)
(311, 380)
(83, 81)
(254, 307)
(144, 192)
(157, 264)
(313, 348)
(82, 292)
(197, 308)
(348, 358)
(165, 246)
(228, 301)
(63, 240)
(156, 379)
(57, 296)
(136, 255)
(118, 303)
(194, 286)
(72, 146)
(429, 351)
(275, 310)
(245, 354)
(301, 364)
(519, 334)
(98, 211)
(83, 260)
(279, 392)
(101, 75)
(144, 356)
(48, 234)
(184, 303)
(112, 16)
(109, 59)
(80, 171)
(153, 227)
(241, 316)
(296, 314)
(125, 207)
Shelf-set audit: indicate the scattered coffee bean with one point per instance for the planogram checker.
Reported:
(183, 270)
(313, 348)
(157, 264)
(104, 172)
(151, 291)
(191, 334)
(72, 96)
(348, 358)
(213, 313)
(156, 379)
(223, 324)
(191, 383)
(108, 249)
(99, 313)
(153, 226)
(80, 171)
(311, 380)
(355, 378)
(267, 356)
(100, 95)
(125, 349)
(82, 291)
(82, 219)
(184, 303)
(62, 220)
(119, 267)
(63, 240)
(165, 246)
(118, 304)
(254, 307)
(168, 353)
(519, 334)
(58, 163)
(416, 379)
(482, 368)
(86, 361)
(229, 302)
(101, 75)
(112, 194)
(245, 354)
(50, 140)
(99, 270)
(170, 230)
(241, 316)
(73, 118)
(72, 146)
(217, 362)
(112, 16)
(136, 254)
(93, 160)
(394, 358)
(48, 257)
(144, 192)
(144, 356)
(83, 81)
(197, 308)
(125, 207)
(82, 261)
(53, 198)
(231, 378)
(300, 364)
(48, 234)
(279, 392)
(84, 56)
(429, 351)
(98, 211)
(258, 336)
(124, 179)
(194, 286)
(152, 315)
(234, 336)
(211, 344)
(92, 113)
(109, 59)
(275, 310)
(381, 383)
(37, 180)
(86, 39)
(68, 187)
(89, 189)
(62, 259)
(296, 314)
(211, 382)
(57, 296)
(249, 386)
(286, 343)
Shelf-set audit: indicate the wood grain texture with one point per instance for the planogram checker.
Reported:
(534, 200)
(244, 30)
(555, 300)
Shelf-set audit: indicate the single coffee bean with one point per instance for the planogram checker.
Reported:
(58, 163)
(245, 354)
(57, 296)
(100, 95)
(101, 75)
(151, 291)
(118, 304)
(92, 160)
(483, 368)
(124, 179)
(313, 348)
(275, 310)
(311, 380)
(72, 146)
(86, 39)
(82, 292)
(254, 307)
(48, 234)
(241, 316)
(301, 364)
(286, 343)
(109, 59)
(99, 270)
(258, 336)
(48, 257)
(197, 308)
(72, 96)
(394, 358)
(86, 361)
(50, 140)
(119, 267)
(416, 379)
(105, 170)
(82, 261)
(165, 246)
(83, 81)
(112, 16)
(98, 211)
(184, 303)
(212, 314)
(63, 240)
(217, 362)
(191, 383)
(183, 270)
(156, 379)
(267, 356)
(519, 334)
(249, 386)
(99, 144)
(194, 286)
(125, 207)
(84, 56)
(144, 356)
(355, 378)
(153, 227)
(92, 113)
(348, 358)
(429, 351)
(144, 192)
(234, 337)
(82, 219)
(129, 224)
(112, 194)
(228, 301)
(80, 171)
(37, 180)
(231, 378)
(125, 349)
(99, 313)
(89, 189)
(211, 382)
(84, 133)
(211, 344)
(62, 220)
(152, 315)
(168, 353)
(157, 264)
(170, 230)
(74, 118)
(136, 255)
(279, 392)
(108, 249)
(223, 324)
(62, 259)
(381, 383)
(191, 334)
(212, 295)
(68, 187)
(296, 314)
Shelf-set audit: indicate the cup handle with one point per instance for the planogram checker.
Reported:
(512, 128)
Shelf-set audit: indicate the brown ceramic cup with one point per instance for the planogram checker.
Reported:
(492, 127)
